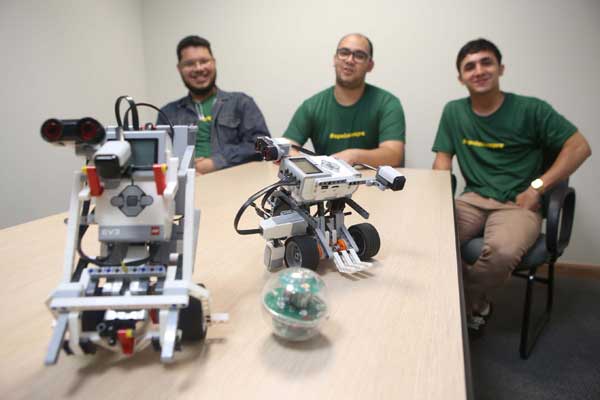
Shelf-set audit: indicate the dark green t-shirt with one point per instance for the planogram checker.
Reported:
(204, 109)
(500, 154)
(376, 117)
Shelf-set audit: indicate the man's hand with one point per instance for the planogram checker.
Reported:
(348, 155)
(529, 199)
(204, 165)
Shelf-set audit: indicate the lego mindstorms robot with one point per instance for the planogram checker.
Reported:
(304, 220)
(138, 187)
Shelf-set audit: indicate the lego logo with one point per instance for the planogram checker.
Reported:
(155, 230)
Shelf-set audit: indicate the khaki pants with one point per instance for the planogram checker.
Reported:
(508, 232)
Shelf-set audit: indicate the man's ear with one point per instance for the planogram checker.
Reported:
(370, 66)
(501, 70)
(460, 80)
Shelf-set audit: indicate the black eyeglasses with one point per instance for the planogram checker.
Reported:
(188, 64)
(344, 53)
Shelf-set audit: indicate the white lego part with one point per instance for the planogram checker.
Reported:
(137, 315)
(60, 328)
(168, 333)
(388, 173)
(85, 194)
(283, 146)
(324, 182)
(219, 318)
(273, 256)
(118, 302)
(70, 299)
(320, 178)
(168, 320)
(119, 148)
(172, 181)
(160, 213)
(347, 261)
(189, 248)
(284, 225)
(67, 289)
(74, 330)
(281, 141)
(72, 226)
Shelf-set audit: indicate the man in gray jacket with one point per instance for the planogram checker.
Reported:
(228, 122)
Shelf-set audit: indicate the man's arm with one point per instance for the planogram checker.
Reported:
(572, 154)
(443, 161)
(293, 151)
(389, 152)
(252, 125)
(204, 165)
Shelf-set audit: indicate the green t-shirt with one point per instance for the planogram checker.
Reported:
(204, 109)
(376, 117)
(500, 154)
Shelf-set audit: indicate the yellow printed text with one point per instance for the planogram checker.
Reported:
(477, 143)
(347, 135)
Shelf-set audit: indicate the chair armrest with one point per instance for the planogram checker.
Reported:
(560, 213)
(453, 183)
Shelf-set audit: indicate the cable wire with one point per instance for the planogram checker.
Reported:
(260, 212)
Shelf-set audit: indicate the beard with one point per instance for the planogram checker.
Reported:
(201, 92)
(354, 84)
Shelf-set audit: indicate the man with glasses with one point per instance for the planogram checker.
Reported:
(353, 121)
(228, 122)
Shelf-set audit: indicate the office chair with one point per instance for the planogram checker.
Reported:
(558, 209)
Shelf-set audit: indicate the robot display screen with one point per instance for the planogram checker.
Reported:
(305, 166)
(143, 151)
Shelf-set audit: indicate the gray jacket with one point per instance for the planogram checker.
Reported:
(236, 123)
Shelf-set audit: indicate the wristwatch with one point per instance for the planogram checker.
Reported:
(538, 185)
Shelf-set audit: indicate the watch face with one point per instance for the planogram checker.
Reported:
(537, 184)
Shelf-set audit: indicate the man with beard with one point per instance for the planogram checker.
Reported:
(353, 121)
(228, 122)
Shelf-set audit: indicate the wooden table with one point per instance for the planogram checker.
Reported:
(396, 333)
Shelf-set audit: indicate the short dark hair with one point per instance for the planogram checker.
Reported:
(362, 36)
(475, 46)
(192, 41)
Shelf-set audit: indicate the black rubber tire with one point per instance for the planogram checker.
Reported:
(367, 240)
(191, 321)
(301, 251)
(91, 319)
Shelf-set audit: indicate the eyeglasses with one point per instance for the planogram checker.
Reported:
(189, 64)
(344, 53)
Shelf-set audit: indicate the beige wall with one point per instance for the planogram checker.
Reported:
(63, 59)
(280, 52)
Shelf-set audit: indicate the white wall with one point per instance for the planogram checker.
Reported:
(280, 52)
(63, 59)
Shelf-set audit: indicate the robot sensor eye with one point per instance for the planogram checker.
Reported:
(90, 130)
(52, 130)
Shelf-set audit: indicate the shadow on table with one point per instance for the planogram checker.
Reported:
(189, 360)
(293, 358)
